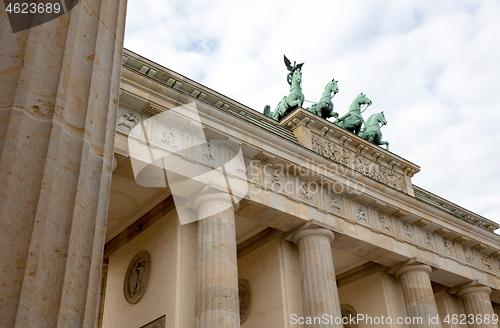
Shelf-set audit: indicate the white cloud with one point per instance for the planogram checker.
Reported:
(431, 66)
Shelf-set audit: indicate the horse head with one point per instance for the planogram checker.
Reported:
(294, 76)
(332, 87)
(381, 118)
(362, 99)
(376, 119)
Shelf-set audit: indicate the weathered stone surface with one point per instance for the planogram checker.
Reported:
(217, 302)
(319, 287)
(477, 305)
(419, 297)
(58, 100)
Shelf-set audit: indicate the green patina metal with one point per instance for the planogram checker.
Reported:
(295, 99)
(324, 108)
(371, 131)
(352, 121)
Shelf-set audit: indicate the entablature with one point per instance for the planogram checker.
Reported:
(348, 194)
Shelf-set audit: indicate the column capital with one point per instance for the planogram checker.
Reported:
(214, 197)
(471, 288)
(312, 232)
(411, 268)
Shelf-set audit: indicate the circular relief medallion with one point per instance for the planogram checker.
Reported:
(136, 279)
(245, 297)
(348, 312)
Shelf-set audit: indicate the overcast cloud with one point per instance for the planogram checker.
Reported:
(433, 67)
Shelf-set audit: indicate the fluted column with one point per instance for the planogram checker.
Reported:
(59, 85)
(419, 297)
(477, 304)
(217, 301)
(317, 274)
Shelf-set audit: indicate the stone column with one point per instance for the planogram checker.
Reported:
(419, 297)
(477, 303)
(317, 274)
(217, 301)
(59, 85)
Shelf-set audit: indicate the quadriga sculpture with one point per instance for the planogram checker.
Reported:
(352, 121)
(295, 99)
(371, 131)
(324, 108)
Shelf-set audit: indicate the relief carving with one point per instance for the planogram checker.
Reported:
(486, 262)
(429, 240)
(168, 139)
(275, 179)
(206, 153)
(384, 223)
(247, 168)
(136, 278)
(346, 157)
(469, 258)
(306, 191)
(334, 202)
(407, 230)
(359, 164)
(361, 215)
(448, 248)
(127, 121)
(245, 297)
(242, 167)
(350, 314)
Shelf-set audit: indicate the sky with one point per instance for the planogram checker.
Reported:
(433, 67)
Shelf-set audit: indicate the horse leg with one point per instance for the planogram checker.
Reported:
(357, 129)
(384, 143)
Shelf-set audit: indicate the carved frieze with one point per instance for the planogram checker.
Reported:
(306, 191)
(276, 179)
(407, 230)
(485, 259)
(469, 257)
(333, 202)
(385, 223)
(247, 168)
(169, 139)
(206, 153)
(242, 167)
(127, 121)
(429, 240)
(448, 248)
(361, 214)
(359, 163)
